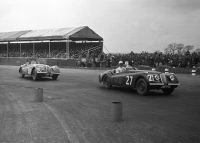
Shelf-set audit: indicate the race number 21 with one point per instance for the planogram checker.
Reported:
(129, 80)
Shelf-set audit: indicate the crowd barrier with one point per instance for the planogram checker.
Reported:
(17, 61)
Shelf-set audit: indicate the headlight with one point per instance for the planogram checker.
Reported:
(157, 77)
(172, 78)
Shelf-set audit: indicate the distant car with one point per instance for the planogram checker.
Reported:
(141, 80)
(37, 71)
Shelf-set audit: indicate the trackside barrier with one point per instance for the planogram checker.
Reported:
(71, 62)
(17, 61)
(38, 95)
(166, 70)
(193, 72)
(116, 112)
(153, 69)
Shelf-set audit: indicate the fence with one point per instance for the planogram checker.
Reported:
(17, 61)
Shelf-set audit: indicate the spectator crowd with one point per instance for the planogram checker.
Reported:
(91, 55)
(41, 50)
(149, 59)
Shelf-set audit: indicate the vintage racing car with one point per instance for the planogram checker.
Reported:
(37, 70)
(141, 80)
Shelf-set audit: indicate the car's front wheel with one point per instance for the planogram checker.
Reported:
(106, 82)
(34, 75)
(142, 87)
(21, 74)
(168, 90)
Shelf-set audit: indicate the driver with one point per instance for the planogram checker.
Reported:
(120, 68)
(127, 65)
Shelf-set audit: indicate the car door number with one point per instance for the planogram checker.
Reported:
(151, 78)
(129, 80)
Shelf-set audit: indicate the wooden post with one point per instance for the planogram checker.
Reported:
(49, 48)
(20, 48)
(116, 112)
(7, 48)
(101, 46)
(38, 95)
(67, 49)
(194, 72)
(33, 50)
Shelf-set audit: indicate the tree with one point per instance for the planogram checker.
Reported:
(197, 50)
(179, 47)
(188, 47)
(157, 51)
(171, 48)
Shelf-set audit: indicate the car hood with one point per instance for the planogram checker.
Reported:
(38, 65)
(136, 71)
(143, 71)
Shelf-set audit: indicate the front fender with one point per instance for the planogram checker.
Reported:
(55, 69)
(138, 77)
(102, 76)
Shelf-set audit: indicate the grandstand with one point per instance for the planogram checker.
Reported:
(62, 43)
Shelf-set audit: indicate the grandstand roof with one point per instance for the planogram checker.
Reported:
(75, 34)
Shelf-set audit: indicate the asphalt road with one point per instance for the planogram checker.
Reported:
(77, 108)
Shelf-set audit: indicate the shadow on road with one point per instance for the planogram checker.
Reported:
(40, 79)
(128, 91)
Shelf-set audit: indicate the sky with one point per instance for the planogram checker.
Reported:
(125, 25)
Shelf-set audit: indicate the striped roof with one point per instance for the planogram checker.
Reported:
(69, 33)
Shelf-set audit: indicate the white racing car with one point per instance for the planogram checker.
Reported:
(37, 70)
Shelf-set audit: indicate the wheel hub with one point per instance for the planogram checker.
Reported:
(106, 82)
(141, 87)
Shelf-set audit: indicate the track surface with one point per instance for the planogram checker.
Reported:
(77, 108)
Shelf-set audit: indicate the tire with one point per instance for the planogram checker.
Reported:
(34, 75)
(142, 87)
(107, 82)
(21, 74)
(168, 90)
(54, 77)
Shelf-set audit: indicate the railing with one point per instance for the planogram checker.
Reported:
(86, 51)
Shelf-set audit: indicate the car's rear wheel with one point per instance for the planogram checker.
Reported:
(34, 75)
(54, 77)
(107, 82)
(167, 90)
(142, 87)
(21, 74)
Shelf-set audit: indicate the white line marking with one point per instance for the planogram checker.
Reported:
(70, 136)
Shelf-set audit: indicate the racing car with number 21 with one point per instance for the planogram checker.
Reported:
(37, 71)
(141, 80)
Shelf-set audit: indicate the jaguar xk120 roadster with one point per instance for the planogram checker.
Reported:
(141, 80)
(37, 71)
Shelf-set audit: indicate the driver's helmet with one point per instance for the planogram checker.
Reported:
(120, 62)
(33, 62)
